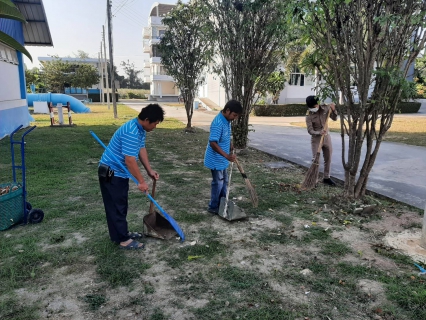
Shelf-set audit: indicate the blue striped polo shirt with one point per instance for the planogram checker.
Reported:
(220, 132)
(126, 141)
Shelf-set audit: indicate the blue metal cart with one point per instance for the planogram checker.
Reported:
(29, 215)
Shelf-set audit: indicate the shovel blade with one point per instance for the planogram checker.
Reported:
(156, 226)
(232, 212)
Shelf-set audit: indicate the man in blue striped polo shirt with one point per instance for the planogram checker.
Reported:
(219, 152)
(127, 145)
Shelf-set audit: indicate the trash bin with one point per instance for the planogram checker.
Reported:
(196, 104)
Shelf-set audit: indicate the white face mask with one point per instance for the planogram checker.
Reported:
(313, 109)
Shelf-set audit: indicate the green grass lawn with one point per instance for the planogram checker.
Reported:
(66, 267)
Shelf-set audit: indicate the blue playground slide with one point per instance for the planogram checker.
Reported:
(76, 105)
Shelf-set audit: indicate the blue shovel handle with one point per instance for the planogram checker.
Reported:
(166, 216)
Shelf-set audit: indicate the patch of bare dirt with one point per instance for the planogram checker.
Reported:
(392, 222)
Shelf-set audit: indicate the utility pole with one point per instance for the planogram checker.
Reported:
(106, 67)
(102, 75)
(101, 79)
(111, 60)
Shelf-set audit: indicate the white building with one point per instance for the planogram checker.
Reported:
(211, 94)
(13, 93)
(299, 86)
(163, 87)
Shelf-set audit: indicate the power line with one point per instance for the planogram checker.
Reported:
(136, 17)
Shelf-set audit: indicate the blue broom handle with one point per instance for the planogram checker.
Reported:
(125, 170)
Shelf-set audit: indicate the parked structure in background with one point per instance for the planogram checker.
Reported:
(13, 103)
(163, 87)
(81, 93)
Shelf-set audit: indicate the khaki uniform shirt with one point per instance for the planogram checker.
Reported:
(315, 121)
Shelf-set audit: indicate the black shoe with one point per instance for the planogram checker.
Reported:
(329, 182)
(213, 211)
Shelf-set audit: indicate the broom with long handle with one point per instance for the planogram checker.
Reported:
(312, 174)
(250, 188)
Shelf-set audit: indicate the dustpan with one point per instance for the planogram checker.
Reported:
(155, 225)
(227, 208)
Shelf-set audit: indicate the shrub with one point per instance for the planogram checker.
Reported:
(408, 107)
(96, 98)
(126, 93)
(133, 95)
(421, 91)
(297, 109)
(280, 110)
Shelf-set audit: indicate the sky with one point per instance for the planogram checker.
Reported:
(77, 25)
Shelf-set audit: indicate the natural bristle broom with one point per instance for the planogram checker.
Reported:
(313, 172)
(250, 188)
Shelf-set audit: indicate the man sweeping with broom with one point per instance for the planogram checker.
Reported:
(317, 124)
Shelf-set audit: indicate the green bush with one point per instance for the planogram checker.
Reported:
(96, 98)
(126, 93)
(133, 95)
(408, 107)
(280, 110)
(297, 109)
(421, 91)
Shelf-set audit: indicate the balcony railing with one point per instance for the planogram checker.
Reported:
(155, 21)
(155, 60)
(161, 77)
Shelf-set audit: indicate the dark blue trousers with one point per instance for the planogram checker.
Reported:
(219, 187)
(115, 195)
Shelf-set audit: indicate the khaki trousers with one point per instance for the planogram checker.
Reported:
(327, 151)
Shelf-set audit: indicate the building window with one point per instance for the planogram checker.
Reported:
(156, 52)
(298, 78)
(8, 54)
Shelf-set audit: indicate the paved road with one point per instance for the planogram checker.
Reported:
(398, 173)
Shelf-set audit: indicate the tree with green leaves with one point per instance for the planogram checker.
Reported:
(82, 54)
(249, 37)
(273, 85)
(363, 50)
(84, 76)
(56, 74)
(8, 10)
(132, 81)
(33, 76)
(185, 50)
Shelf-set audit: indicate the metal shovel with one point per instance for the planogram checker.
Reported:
(227, 208)
(154, 224)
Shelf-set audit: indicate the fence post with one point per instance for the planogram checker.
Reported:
(69, 114)
(52, 119)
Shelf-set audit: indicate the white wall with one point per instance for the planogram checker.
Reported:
(9, 82)
(295, 94)
(213, 90)
(13, 109)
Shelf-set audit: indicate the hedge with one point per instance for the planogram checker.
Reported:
(280, 110)
(408, 107)
(96, 97)
(297, 109)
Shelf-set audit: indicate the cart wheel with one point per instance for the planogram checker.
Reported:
(28, 206)
(35, 216)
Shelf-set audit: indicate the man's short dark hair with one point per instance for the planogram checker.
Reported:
(153, 112)
(234, 106)
(311, 101)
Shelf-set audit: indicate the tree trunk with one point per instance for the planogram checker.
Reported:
(240, 131)
(189, 107)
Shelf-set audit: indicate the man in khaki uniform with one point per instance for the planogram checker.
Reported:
(316, 117)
